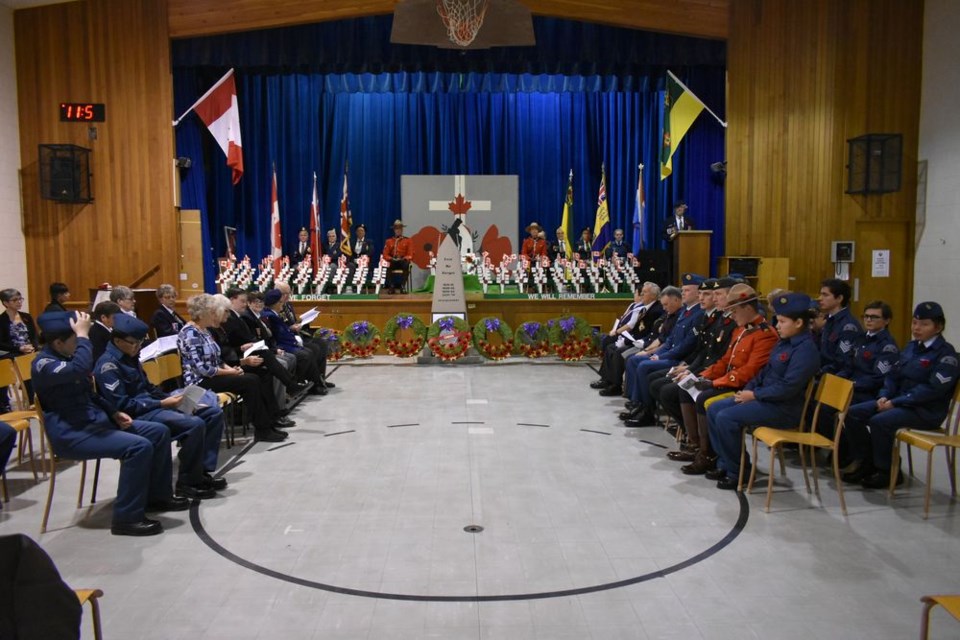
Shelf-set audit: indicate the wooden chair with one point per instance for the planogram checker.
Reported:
(153, 372)
(783, 465)
(21, 414)
(19, 426)
(950, 603)
(834, 392)
(92, 596)
(169, 366)
(929, 440)
(53, 459)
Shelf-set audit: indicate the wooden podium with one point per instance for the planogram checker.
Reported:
(691, 253)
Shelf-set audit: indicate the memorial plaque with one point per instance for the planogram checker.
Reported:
(448, 298)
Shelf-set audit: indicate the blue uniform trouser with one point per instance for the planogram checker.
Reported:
(189, 431)
(145, 467)
(877, 444)
(726, 420)
(640, 391)
(8, 438)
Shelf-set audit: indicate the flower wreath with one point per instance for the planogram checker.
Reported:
(411, 346)
(443, 348)
(334, 343)
(361, 339)
(490, 350)
(533, 340)
(571, 337)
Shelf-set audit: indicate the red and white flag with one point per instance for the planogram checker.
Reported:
(346, 219)
(315, 225)
(276, 247)
(218, 110)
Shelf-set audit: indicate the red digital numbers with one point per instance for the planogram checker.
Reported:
(82, 112)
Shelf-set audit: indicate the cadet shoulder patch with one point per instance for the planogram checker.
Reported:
(890, 348)
(942, 378)
(42, 362)
(950, 360)
(850, 326)
(884, 367)
(108, 366)
(112, 386)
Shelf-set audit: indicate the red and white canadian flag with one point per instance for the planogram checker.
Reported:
(218, 110)
(315, 226)
(276, 248)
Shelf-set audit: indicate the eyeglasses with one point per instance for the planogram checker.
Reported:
(133, 342)
(871, 316)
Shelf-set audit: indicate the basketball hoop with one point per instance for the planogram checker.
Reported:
(462, 18)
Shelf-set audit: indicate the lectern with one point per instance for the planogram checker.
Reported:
(691, 253)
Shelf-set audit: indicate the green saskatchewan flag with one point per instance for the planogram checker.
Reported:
(680, 109)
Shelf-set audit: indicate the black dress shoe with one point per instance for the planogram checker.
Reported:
(328, 384)
(714, 474)
(209, 482)
(318, 390)
(611, 391)
(728, 483)
(599, 384)
(174, 503)
(859, 474)
(195, 492)
(285, 423)
(145, 527)
(629, 406)
(681, 456)
(632, 414)
(269, 435)
(880, 479)
(700, 466)
(642, 420)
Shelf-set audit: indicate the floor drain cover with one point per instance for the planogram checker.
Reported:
(473, 528)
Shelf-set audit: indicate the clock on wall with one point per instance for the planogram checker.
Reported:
(82, 112)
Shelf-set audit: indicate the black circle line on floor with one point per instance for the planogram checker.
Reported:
(731, 535)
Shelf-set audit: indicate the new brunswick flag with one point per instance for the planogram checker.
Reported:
(680, 109)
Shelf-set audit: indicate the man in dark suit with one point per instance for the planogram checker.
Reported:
(361, 245)
(584, 250)
(332, 248)
(302, 249)
(637, 324)
(166, 321)
(619, 247)
(559, 248)
(102, 327)
(675, 224)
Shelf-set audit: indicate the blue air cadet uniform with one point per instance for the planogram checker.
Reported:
(837, 339)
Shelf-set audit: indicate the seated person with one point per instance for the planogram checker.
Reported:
(361, 245)
(399, 251)
(83, 426)
(916, 393)
(18, 336)
(636, 324)
(678, 346)
(240, 337)
(747, 353)
(535, 246)
(841, 329)
(561, 247)
(103, 315)
(124, 297)
(309, 356)
(166, 321)
(301, 250)
(875, 353)
(619, 247)
(584, 250)
(309, 336)
(59, 294)
(123, 384)
(203, 365)
(775, 397)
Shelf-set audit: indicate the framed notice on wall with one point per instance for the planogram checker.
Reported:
(880, 265)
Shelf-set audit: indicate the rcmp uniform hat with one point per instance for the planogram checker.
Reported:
(709, 284)
(55, 323)
(398, 223)
(272, 297)
(534, 225)
(924, 311)
(792, 304)
(691, 278)
(740, 294)
(124, 325)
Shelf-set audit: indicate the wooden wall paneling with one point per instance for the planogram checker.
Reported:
(115, 52)
(803, 78)
(702, 18)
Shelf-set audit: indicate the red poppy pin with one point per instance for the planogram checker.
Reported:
(784, 356)
(867, 355)
(924, 362)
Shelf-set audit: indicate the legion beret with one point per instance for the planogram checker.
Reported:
(708, 285)
(792, 304)
(924, 311)
(736, 277)
(272, 297)
(126, 325)
(55, 322)
(691, 278)
(361, 226)
(725, 282)
(740, 294)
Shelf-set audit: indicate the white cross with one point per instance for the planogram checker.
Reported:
(459, 189)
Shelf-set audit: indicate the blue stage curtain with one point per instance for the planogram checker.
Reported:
(535, 124)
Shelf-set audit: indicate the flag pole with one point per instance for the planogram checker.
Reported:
(694, 96)
(209, 91)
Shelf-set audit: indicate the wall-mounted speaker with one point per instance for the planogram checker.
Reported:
(65, 173)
